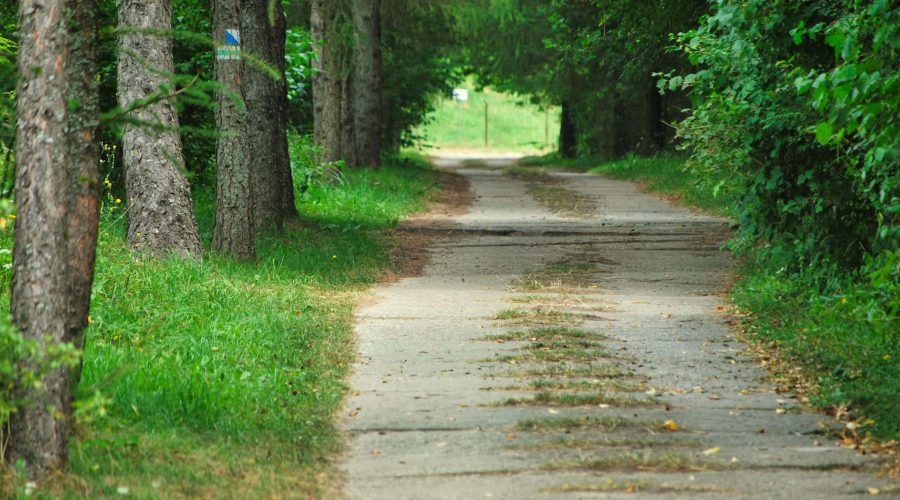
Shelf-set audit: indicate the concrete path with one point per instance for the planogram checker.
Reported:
(570, 343)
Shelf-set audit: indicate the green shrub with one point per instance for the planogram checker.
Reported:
(795, 109)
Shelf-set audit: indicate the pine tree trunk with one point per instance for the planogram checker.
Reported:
(234, 233)
(655, 124)
(348, 136)
(567, 137)
(58, 213)
(287, 204)
(160, 211)
(326, 82)
(367, 89)
(266, 98)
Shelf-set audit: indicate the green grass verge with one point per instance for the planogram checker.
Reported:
(847, 343)
(514, 124)
(221, 379)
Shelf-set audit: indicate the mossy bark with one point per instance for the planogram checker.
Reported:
(56, 229)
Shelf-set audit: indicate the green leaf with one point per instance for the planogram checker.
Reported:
(823, 133)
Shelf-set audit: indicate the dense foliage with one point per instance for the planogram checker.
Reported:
(417, 43)
(7, 94)
(795, 111)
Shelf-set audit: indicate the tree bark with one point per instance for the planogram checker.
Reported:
(327, 79)
(567, 136)
(234, 233)
(263, 37)
(367, 80)
(160, 211)
(654, 118)
(348, 135)
(58, 212)
(287, 204)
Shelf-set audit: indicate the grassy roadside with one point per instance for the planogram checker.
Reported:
(841, 348)
(221, 379)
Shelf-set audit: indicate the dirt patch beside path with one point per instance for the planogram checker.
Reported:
(416, 234)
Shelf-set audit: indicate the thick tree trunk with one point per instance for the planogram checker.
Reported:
(654, 118)
(326, 82)
(263, 36)
(58, 212)
(367, 88)
(348, 136)
(234, 233)
(567, 136)
(287, 204)
(602, 130)
(623, 126)
(160, 211)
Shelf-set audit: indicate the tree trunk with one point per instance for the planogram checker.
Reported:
(623, 123)
(654, 117)
(348, 137)
(235, 231)
(287, 204)
(263, 36)
(58, 213)
(367, 89)
(567, 136)
(326, 82)
(160, 211)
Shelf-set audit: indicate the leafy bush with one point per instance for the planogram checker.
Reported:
(800, 127)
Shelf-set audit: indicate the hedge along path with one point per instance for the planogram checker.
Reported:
(558, 354)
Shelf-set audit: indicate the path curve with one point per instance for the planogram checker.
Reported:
(572, 350)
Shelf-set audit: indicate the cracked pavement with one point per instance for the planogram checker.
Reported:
(448, 401)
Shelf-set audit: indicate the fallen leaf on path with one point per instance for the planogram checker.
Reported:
(712, 451)
(780, 411)
(376, 452)
(552, 411)
(670, 425)
(441, 444)
(873, 491)
(354, 413)
(714, 397)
